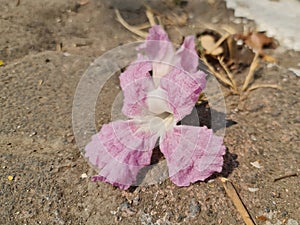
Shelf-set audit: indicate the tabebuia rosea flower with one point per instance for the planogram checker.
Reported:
(160, 88)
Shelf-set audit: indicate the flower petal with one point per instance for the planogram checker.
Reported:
(160, 51)
(188, 56)
(157, 45)
(183, 90)
(119, 151)
(192, 154)
(136, 82)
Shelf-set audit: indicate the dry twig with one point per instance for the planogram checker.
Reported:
(129, 27)
(143, 26)
(217, 74)
(150, 16)
(233, 195)
(285, 176)
(229, 74)
(253, 87)
(250, 74)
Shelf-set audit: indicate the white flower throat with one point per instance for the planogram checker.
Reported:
(160, 118)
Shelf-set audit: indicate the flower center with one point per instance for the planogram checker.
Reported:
(161, 123)
(156, 101)
(160, 118)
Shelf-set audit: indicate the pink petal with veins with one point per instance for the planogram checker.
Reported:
(136, 82)
(192, 154)
(183, 90)
(119, 151)
(158, 49)
(157, 45)
(188, 56)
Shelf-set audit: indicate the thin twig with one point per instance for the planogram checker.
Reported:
(216, 74)
(143, 26)
(129, 27)
(250, 74)
(233, 195)
(229, 74)
(150, 16)
(253, 87)
(160, 21)
(286, 176)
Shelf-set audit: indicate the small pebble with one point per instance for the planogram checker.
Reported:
(253, 189)
(195, 208)
(32, 134)
(146, 219)
(84, 175)
(136, 200)
(253, 138)
(66, 54)
(292, 222)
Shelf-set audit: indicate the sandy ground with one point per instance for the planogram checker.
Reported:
(37, 146)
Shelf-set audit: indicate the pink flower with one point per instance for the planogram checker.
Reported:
(155, 104)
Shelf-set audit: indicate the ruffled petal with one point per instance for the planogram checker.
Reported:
(136, 82)
(157, 45)
(160, 51)
(188, 57)
(183, 90)
(119, 151)
(192, 154)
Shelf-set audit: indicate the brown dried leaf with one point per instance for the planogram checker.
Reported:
(238, 54)
(208, 43)
(261, 218)
(256, 41)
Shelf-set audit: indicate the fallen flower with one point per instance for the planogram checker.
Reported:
(155, 103)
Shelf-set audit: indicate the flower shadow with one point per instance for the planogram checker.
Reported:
(229, 164)
(209, 117)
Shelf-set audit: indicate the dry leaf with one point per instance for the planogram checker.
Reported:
(256, 41)
(262, 218)
(208, 42)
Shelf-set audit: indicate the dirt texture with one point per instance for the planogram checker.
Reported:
(46, 47)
